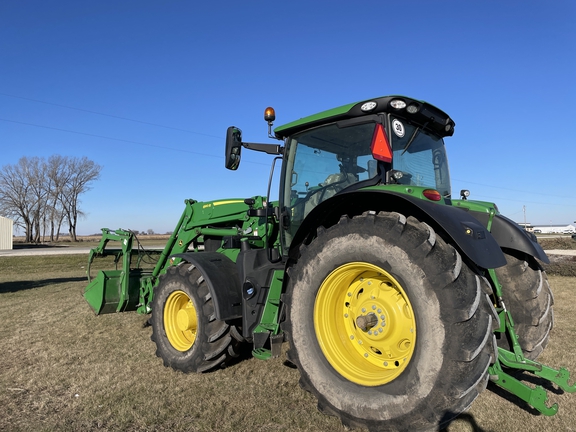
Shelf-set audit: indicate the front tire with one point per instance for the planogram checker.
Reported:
(430, 360)
(187, 334)
(527, 295)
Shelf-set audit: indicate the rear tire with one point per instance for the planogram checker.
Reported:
(431, 360)
(528, 297)
(187, 334)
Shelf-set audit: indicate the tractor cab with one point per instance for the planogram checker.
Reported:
(391, 140)
(342, 157)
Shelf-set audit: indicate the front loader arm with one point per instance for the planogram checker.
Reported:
(132, 288)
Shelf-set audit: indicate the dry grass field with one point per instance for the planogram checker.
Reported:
(65, 369)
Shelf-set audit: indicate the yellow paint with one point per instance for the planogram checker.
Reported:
(217, 203)
(180, 321)
(351, 296)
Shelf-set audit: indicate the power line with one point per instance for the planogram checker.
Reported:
(121, 140)
(203, 134)
(500, 200)
(108, 138)
(511, 190)
(109, 115)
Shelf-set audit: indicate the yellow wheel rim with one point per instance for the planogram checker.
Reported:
(365, 324)
(180, 321)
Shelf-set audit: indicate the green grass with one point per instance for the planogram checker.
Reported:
(65, 369)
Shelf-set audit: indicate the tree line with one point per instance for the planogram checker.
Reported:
(41, 195)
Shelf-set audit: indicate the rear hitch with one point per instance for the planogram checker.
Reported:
(536, 397)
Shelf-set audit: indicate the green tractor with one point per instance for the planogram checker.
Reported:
(399, 302)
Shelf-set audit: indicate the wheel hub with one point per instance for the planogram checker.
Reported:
(186, 319)
(370, 306)
(180, 320)
(366, 322)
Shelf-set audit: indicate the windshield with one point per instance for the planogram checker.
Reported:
(321, 163)
(420, 156)
(324, 161)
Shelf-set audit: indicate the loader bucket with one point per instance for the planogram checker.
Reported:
(105, 293)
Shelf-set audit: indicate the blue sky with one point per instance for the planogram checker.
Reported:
(147, 89)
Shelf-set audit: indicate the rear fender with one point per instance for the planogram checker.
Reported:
(221, 276)
(466, 232)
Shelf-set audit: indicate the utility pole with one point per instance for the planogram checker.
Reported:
(524, 210)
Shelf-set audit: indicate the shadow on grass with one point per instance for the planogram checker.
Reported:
(504, 394)
(244, 352)
(537, 381)
(11, 287)
(38, 246)
(465, 418)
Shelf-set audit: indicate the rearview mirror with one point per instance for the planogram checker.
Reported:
(233, 147)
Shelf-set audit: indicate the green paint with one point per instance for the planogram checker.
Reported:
(132, 288)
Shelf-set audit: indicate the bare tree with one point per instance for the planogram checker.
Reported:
(58, 176)
(39, 194)
(35, 169)
(78, 175)
(23, 192)
(15, 196)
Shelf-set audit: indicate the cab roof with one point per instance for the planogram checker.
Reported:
(417, 111)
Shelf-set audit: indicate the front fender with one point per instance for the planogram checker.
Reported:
(510, 235)
(465, 231)
(221, 276)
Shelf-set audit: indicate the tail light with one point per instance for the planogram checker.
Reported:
(432, 194)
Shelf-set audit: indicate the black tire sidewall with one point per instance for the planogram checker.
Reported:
(421, 376)
(184, 361)
(527, 295)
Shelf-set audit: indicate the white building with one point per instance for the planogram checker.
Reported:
(554, 229)
(6, 233)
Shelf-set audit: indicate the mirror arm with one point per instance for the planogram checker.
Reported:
(273, 149)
